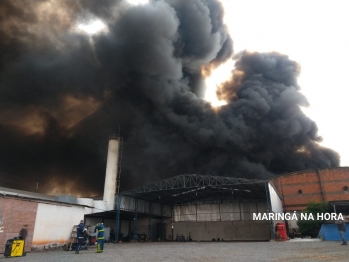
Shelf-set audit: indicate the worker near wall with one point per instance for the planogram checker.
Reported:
(23, 235)
(100, 237)
(80, 236)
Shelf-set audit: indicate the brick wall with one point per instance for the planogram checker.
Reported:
(300, 188)
(14, 213)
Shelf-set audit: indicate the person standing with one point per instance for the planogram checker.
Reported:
(100, 237)
(342, 229)
(80, 236)
(23, 235)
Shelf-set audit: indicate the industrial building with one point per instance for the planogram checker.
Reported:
(199, 208)
(186, 207)
(49, 218)
(297, 189)
(211, 208)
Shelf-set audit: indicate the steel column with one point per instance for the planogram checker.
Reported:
(117, 226)
(162, 213)
(150, 213)
(172, 221)
(135, 219)
(272, 228)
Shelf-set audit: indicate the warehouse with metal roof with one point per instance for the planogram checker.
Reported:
(194, 207)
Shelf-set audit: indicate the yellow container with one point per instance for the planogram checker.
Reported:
(14, 248)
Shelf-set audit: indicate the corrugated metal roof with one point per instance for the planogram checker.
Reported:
(192, 188)
(25, 194)
(32, 195)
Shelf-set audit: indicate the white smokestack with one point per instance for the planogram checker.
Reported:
(111, 172)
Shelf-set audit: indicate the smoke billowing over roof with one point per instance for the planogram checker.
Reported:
(62, 92)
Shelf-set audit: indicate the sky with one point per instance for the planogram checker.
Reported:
(315, 34)
(72, 72)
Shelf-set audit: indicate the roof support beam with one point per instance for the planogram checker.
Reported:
(191, 181)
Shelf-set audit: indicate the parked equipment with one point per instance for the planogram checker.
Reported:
(281, 229)
(14, 248)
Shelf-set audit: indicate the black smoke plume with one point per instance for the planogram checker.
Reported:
(62, 93)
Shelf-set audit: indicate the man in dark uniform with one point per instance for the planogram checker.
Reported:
(23, 233)
(80, 236)
(100, 237)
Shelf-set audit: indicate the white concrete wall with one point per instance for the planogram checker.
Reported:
(54, 224)
(99, 206)
(276, 203)
(88, 210)
(86, 202)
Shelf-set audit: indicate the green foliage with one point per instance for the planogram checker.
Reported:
(312, 227)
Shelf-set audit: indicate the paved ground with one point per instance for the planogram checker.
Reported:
(202, 252)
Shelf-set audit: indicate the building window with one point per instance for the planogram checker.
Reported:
(345, 189)
(300, 192)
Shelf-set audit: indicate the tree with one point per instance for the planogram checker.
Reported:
(312, 227)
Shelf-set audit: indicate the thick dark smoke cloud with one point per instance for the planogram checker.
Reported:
(62, 93)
